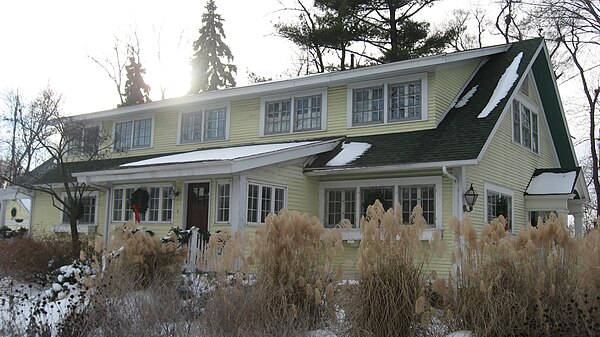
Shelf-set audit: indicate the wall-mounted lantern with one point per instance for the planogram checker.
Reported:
(470, 198)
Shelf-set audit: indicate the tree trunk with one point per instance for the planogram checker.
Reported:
(76, 245)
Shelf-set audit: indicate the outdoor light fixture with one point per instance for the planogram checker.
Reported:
(470, 198)
(174, 191)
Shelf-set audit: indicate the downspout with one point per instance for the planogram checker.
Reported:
(107, 214)
(456, 193)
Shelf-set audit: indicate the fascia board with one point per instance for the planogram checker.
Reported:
(390, 168)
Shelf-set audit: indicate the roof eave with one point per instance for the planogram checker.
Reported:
(388, 168)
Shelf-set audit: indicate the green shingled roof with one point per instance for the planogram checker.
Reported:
(460, 136)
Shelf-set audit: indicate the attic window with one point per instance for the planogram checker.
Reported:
(525, 126)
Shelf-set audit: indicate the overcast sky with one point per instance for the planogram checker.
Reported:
(48, 42)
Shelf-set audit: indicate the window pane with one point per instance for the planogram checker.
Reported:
(191, 127)
(266, 197)
(405, 101)
(534, 132)
(385, 195)
(123, 135)
(142, 132)
(308, 113)
(252, 203)
(153, 204)
(279, 199)
(118, 205)
(215, 124)
(277, 117)
(340, 204)
(525, 127)
(167, 204)
(424, 196)
(223, 191)
(367, 106)
(91, 140)
(516, 121)
(89, 210)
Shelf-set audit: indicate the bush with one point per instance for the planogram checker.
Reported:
(294, 284)
(390, 298)
(542, 282)
(29, 259)
(142, 257)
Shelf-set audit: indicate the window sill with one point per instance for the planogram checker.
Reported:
(292, 133)
(351, 235)
(393, 122)
(84, 229)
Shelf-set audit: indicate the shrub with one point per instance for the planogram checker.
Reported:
(293, 286)
(390, 298)
(142, 257)
(541, 282)
(30, 259)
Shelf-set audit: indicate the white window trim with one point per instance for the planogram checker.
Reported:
(202, 110)
(292, 97)
(260, 185)
(94, 194)
(358, 184)
(502, 190)
(217, 183)
(534, 108)
(132, 120)
(148, 186)
(386, 84)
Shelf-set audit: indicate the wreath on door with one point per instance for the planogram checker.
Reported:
(139, 202)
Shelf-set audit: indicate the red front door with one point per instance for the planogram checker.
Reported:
(197, 206)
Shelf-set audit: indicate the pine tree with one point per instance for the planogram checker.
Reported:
(208, 70)
(136, 90)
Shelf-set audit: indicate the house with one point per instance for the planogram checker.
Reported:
(418, 132)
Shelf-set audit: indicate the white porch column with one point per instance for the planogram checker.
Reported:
(237, 216)
(3, 204)
(578, 217)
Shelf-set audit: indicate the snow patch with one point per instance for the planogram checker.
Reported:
(465, 99)
(552, 183)
(461, 334)
(229, 153)
(350, 152)
(506, 82)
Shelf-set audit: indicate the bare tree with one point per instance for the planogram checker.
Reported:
(59, 140)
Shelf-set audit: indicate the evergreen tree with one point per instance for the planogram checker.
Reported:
(209, 72)
(136, 90)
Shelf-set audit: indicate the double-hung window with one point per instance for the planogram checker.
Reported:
(133, 134)
(388, 101)
(297, 112)
(204, 125)
(340, 204)
(88, 208)
(525, 126)
(160, 204)
(264, 199)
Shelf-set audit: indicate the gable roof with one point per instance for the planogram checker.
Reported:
(460, 137)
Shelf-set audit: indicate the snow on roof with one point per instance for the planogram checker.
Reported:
(229, 153)
(350, 152)
(552, 183)
(504, 84)
(465, 99)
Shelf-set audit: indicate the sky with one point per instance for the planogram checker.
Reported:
(49, 43)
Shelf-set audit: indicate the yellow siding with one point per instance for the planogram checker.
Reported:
(510, 165)
(444, 85)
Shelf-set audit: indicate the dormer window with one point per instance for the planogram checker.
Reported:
(84, 140)
(298, 112)
(204, 125)
(388, 101)
(133, 134)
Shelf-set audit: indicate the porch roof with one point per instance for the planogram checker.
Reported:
(202, 163)
(554, 181)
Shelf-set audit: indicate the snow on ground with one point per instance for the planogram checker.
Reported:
(465, 99)
(506, 82)
(350, 152)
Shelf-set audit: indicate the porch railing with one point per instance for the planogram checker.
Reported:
(196, 246)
